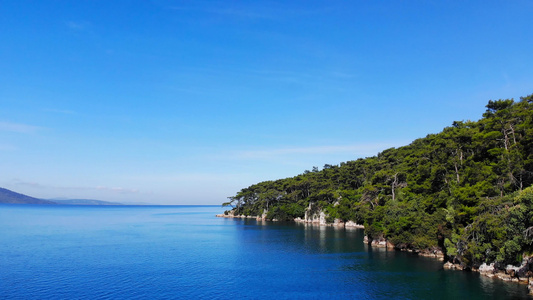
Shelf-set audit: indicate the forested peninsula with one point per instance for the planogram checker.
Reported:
(465, 193)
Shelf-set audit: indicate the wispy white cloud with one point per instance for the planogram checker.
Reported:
(330, 79)
(60, 111)
(342, 75)
(356, 150)
(117, 190)
(242, 13)
(78, 25)
(253, 10)
(185, 177)
(120, 190)
(18, 127)
(19, 182)
(6, 147)
(248, 13)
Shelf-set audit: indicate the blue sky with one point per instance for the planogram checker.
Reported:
(187, 102)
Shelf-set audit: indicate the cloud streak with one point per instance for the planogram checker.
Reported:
(120, 190)
(186, 177)
(362, 149)
(253, 10)
(32, 184)
(5, 147)
(117, 190)
(227, 10)
(78, 25)
(18, 127)
(60, 111)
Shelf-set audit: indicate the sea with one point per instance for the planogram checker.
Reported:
(185, 252)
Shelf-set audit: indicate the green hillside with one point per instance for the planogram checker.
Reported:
(466, 190)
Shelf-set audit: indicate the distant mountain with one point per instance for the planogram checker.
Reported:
(7, 196)
(84, 202)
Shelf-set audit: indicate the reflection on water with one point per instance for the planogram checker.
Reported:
(375, 273)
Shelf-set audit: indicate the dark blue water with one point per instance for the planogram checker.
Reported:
(184, 252)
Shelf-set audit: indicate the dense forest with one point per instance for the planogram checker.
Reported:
(466, 190)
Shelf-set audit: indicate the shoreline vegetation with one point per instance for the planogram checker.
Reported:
(463, 196)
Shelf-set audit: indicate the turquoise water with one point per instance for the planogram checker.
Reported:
(184, 252)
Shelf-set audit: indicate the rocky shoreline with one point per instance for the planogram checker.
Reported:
(315, 219)
(336, 223)
(382, 243)
(520, 274)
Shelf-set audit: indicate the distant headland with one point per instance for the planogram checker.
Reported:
(11, 197)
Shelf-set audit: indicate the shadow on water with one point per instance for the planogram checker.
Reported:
(345, 262)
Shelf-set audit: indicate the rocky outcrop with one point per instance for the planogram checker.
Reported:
(316, 218)
(231, 214)
(451, 266)
(520, 274)
(352, 224)
(322, 222)
(378, 243)
(238, 216)
(433, 253)
(311, 216)
(319, 217)
(383, 243)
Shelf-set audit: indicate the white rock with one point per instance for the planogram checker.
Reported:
(484, 268)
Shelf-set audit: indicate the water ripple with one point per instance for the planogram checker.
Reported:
(186, 253)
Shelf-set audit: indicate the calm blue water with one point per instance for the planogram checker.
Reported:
(184, 252)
